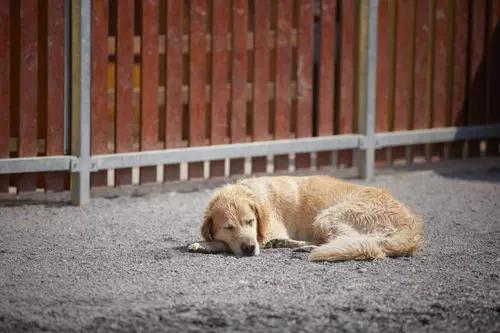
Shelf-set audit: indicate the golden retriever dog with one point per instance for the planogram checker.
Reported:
(332, 219)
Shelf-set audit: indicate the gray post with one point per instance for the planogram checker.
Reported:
(366, 156)
(80, 91)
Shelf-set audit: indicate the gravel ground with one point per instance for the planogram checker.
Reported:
(120, 264)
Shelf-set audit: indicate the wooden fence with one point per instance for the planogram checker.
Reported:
(182, 73)
(32, 89)
(221, 71)
(439, 66)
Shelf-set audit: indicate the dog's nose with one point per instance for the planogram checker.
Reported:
(248, 249)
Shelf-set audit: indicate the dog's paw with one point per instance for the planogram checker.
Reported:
(196, 248)
(276, 243)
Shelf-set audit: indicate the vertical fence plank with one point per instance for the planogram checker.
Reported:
(423, 80)
(5, 90)
(346, 112)
(173, 83)
(283, 78)
(459, 105)
(219, 100)
(42, 94)
(385, 78)
(403, 72)
(99, 92)
(442, 40)
(239, 79)
(477, 75)
(260, 124)
(124, 116)
(149, 83)
(493, 88)
(326, 76)
(197, 76)
(28, 97)
(304, 78)
(54, 181)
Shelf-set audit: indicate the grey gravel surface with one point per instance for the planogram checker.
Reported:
(120, 264)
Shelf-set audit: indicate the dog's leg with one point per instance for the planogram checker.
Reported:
(285, 243)
(368, 225)
(211, 247)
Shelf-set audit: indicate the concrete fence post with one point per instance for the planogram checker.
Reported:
(367, 86)
(80, 101)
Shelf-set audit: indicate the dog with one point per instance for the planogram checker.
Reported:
(331, 219)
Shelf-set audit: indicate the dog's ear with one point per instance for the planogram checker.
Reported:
(262, 220)
(206, 228)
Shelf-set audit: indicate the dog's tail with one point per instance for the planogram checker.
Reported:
(356, 246)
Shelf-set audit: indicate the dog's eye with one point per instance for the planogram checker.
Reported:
(229, 227)
(249, 222)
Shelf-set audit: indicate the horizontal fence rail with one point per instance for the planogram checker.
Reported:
(242, 150)
(211, 88)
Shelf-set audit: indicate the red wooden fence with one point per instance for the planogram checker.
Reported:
(32, 89)
(179, 73)
(435, 70)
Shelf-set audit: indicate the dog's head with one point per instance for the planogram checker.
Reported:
(234, 217)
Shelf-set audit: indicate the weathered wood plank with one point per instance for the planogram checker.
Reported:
(423, 72)
(220, 68)
(99, 66)
(459, 105)
(173, 77)
(283, 101)
(442, 67)
(124, 116)
(54, 181)
(493, 83)
(239, 79)
(5, 83)
(404, 67)
(149, 83)
(197, 79)
(326, 76)
(28, 97)
(385, 72)
(477, 76)
(346, 112)
(261, 68)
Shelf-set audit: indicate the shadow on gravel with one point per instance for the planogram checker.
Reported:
(30, 202)
(492, 175)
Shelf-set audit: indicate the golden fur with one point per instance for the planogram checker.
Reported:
(333, 219)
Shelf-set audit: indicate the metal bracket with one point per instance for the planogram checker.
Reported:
(76, 165)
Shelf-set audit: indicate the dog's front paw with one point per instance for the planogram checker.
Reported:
(211, 247)
(196, 247)
(276, 243)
